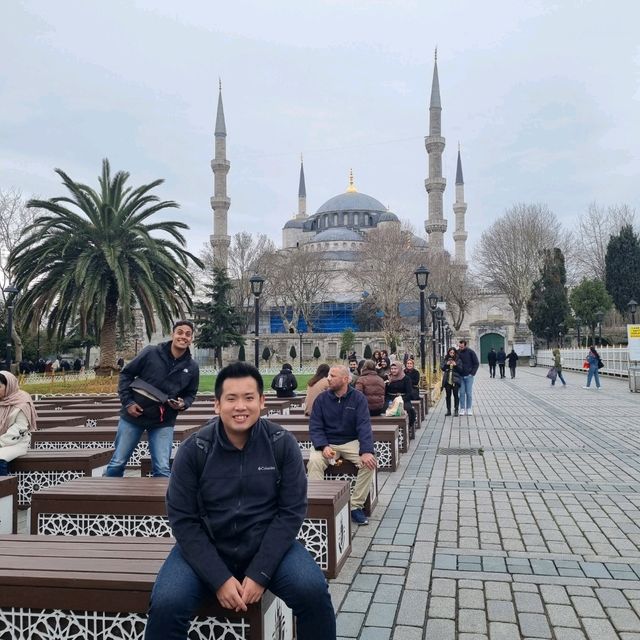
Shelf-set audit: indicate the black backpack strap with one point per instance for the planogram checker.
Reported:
(205, 438)
(276, 435)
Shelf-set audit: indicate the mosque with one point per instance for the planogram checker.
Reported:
(340, 225)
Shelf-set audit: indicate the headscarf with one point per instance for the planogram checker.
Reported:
(15, 398)
(399, 375)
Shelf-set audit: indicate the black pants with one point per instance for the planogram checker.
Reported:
(492, 370)
(512, 370)
(501, 367)
(449, 389)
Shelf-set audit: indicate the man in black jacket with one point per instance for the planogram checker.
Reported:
(501, 358)
(492, 358)
(235, 512)
(169, 369)
(285, 383)
(469, 364)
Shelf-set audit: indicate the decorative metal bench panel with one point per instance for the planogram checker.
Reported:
(8, 504)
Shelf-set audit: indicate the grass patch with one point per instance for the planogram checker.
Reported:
(207, 382)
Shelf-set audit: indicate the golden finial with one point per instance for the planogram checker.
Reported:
(351, 188)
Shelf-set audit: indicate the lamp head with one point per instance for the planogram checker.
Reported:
(256, 282)
(433, 301)
(11, 289)
(422, 277)
(632, 305)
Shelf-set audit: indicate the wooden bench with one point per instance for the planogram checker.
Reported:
(72, 587)
(69, 438)
(8, 504)
(385, 442)
(136, 507)
(348, 471)
(40, 469)
(400, 422)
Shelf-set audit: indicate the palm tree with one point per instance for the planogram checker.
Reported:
(90, 258)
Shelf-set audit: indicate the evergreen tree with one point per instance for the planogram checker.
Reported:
(266, 354)
(367, 352)
(622, 268)
(242, 356)
(219, 324)
(316, 352)
(548, 306)
(347, 341)
(589, 297)
(292, 352)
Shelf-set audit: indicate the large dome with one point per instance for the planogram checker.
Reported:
(352, 201)
(294, 224)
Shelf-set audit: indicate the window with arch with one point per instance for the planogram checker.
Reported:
(335, 219)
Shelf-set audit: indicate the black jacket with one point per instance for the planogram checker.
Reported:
(492, 357)
(501, 357)
(291, 384)
(451, 374)
(400, 387)
(512, 357)
(155, 365)
(468, 361)
(253, 518)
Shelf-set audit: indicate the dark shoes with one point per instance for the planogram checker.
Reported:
(358, 517)
(455, 413)
(448, 413)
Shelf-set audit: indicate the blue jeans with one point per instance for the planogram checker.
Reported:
(593, 373)
(298, 581)
(564, 382)
(127, 439)
(466, 392)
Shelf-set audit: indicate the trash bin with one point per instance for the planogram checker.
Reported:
(533, 361)
(634, 378)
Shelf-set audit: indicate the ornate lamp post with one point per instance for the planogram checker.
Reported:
(422, 277)
(578, 323)
(632, 305)
(11, 290)
(547, 333)
(257, 283)
(445, 336)
(598, 315)
(300, 335)
(561, 333)
(439, 321)
(433, 305)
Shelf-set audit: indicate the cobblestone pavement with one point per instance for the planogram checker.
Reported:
(521, 521)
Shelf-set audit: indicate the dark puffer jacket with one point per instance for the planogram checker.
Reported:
(373, 387)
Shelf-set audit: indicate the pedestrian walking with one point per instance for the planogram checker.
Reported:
(512, 361)
(469, 364)
(492, 357)
(501, 358)
(451, 379)
(557, 364)
(594, 363)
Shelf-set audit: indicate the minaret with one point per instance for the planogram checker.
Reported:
(220, 202)
(302, 194)
(436, 225)
(460, 208)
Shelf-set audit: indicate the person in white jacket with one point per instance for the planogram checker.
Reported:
(17, 420)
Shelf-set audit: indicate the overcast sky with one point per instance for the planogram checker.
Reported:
(543, 97)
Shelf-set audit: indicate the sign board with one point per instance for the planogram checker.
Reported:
(633, 336)
(522, 348)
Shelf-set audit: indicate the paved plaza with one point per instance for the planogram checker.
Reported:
(521, 521)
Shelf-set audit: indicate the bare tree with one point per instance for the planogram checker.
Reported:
(14, 218)
(459, 294)
(248, 254)
(385, 268)
(297, 283)
(595, 228)
(509, 253)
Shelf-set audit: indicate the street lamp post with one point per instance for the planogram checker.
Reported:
(11, 290)
(547, 332)
(598, 315)
(632, 305)
(256, 282)
(422, 277)
(300, 335)
(439, 320)
(578, 323)
(561, 334)
(433, 305)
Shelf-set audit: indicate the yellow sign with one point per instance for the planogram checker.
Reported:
(634, 330)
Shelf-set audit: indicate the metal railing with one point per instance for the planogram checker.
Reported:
(615, 359)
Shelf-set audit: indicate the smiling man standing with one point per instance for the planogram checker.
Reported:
(236, 500)
(160, 381)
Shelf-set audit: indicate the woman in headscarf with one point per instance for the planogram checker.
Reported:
(451, 378)
(17, 421)
(316, 385)
(400, 384)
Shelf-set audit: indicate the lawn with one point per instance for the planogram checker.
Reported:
(207, 382)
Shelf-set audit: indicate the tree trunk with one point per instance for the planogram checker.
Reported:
(17, 344)
(108, 341)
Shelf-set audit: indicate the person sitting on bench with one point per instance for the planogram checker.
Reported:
(236, 500)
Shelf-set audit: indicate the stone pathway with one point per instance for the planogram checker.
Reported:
(521, 521)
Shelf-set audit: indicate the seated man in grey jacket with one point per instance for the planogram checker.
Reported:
(340, 426)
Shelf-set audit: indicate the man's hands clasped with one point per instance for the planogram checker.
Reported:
(235, 595)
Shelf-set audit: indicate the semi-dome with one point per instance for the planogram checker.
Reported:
(337, 234)
(351, 201)
(388, 216)
(294, 224)
(417, 241)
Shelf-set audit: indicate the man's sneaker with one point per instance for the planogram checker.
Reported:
(357, 516)
(585, 387)
(469, 412)
(462, 412)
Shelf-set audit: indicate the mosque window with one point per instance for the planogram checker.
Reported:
(326, 219)
(356, 219)
(335, 219)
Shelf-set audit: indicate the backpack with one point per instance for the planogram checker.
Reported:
(206, 438)
(282, 383)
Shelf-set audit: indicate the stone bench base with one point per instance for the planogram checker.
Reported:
(8, 504)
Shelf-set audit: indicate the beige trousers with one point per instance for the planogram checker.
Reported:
(349, 451)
